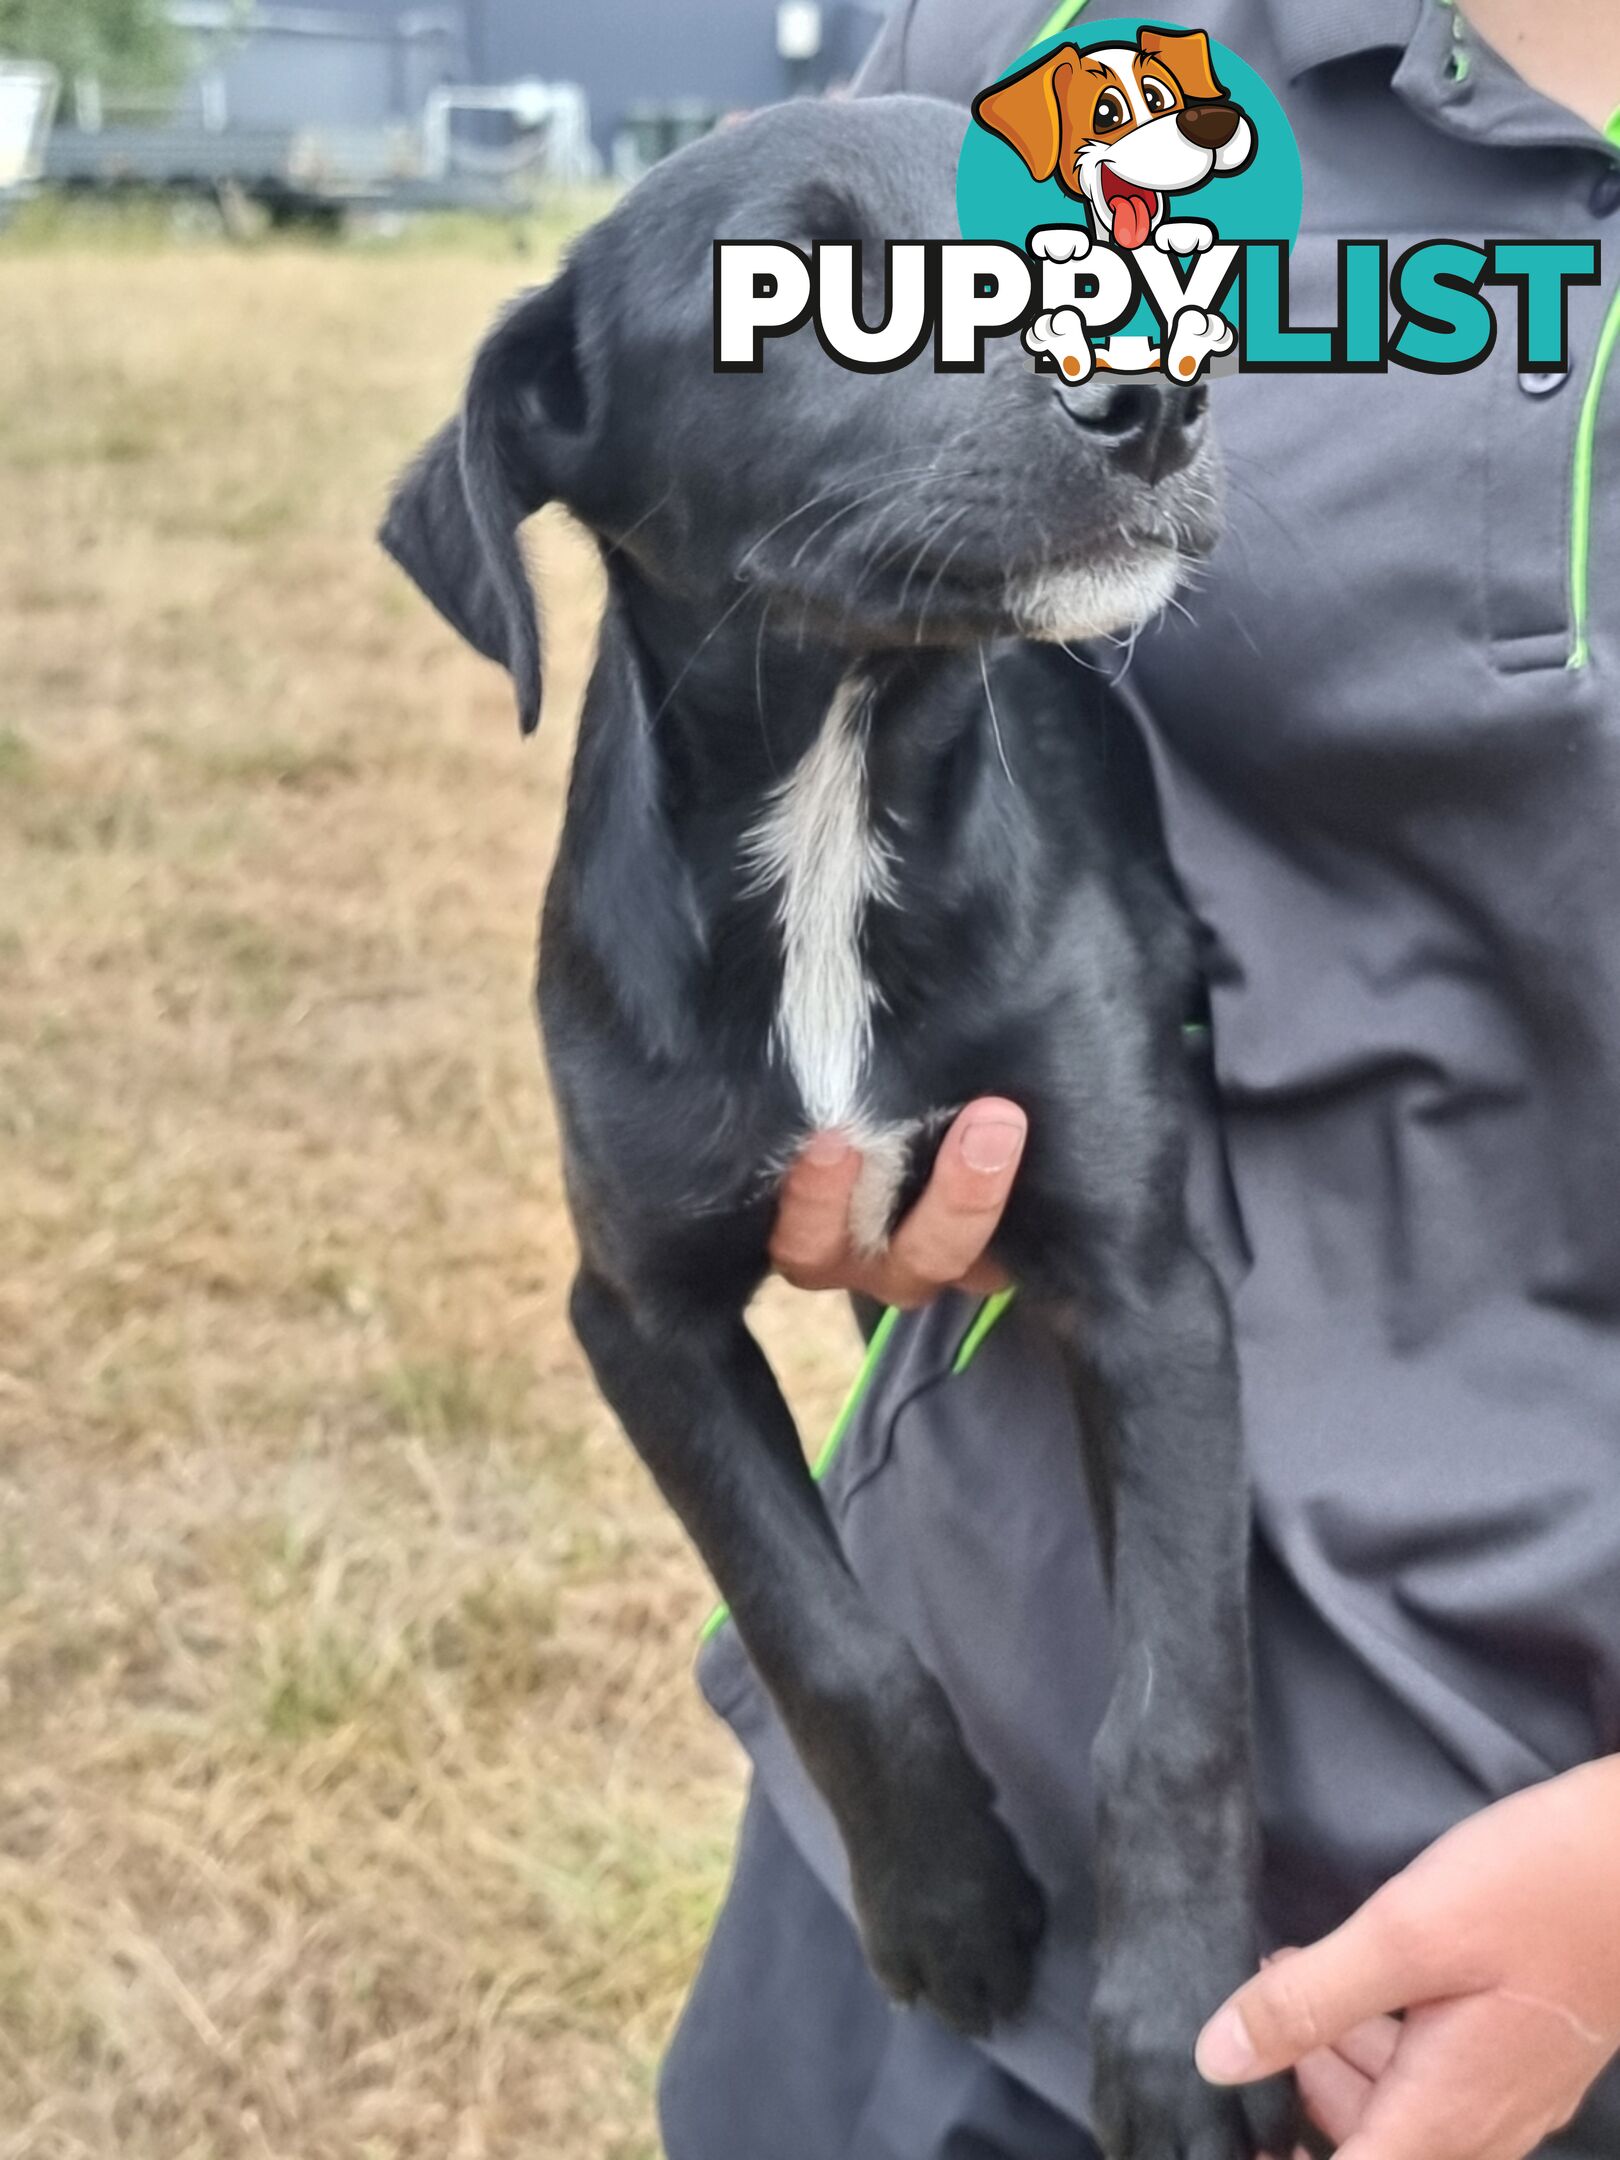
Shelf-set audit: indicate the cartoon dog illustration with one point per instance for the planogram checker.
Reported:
(1122, 127)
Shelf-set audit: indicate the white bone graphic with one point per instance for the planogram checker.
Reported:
(1128, 353)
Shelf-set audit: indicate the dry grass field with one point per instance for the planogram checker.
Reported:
(354, 1799)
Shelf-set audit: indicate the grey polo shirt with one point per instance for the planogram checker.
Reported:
(1389, 747)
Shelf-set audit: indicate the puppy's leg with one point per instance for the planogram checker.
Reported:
(1176, 1813)
(1143, 1322)
(948, 1910)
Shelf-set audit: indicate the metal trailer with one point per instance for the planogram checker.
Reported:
(296, 175)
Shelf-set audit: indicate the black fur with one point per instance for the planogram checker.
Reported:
(763, 535)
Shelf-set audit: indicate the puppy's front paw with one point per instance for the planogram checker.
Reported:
(1060, 243)
(959, 1934)
(1149, 2102)
(1061, 333)
(1184, 236)
(1196, 337)
(950, 1914)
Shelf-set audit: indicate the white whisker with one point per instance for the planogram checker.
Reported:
(995, 718)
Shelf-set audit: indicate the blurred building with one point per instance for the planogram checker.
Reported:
(640, 55)
(319, 63)
(652, 71)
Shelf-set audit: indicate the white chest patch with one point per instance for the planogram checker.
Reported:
(816, 848)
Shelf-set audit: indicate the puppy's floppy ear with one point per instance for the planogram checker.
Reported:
(1187, 55)
(453, 523)
(1027, 109)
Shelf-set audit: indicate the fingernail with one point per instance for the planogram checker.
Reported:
(990, 1144)
(826, 1149)
(1225, 2053)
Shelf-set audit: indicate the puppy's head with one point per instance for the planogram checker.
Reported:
(1122, 126)
(863, 509)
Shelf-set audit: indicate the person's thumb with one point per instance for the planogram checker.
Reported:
(1304, 2002)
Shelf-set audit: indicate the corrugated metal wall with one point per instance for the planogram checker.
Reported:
(629, 53)
(329, 63)
(281, 81)
(365, 67)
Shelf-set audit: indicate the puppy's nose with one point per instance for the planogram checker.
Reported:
(1209, 126)
(1151, 427)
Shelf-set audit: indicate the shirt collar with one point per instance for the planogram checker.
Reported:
(1309, 33)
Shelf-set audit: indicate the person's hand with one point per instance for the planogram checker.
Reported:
(1501, 1944)
(938, 1246)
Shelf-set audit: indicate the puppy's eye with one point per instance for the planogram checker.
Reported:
(1110, 112)
(1155, 96)
(827, 214)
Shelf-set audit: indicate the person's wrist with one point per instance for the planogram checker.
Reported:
(1583, 1817)
(1594, 1788)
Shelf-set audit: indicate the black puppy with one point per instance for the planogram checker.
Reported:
(830, 863)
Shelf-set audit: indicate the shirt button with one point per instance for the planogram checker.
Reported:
(1606, 192)
(1536, 384)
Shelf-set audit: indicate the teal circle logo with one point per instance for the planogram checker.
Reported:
(1127, 126)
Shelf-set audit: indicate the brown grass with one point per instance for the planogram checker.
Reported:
(354, 1800)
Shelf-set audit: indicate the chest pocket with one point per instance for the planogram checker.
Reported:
(1450, 495)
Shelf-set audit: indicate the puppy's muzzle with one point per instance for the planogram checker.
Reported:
(1211, 127)
(1153, 429)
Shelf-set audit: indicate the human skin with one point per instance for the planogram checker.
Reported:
(1570, 51)
(1567, 49)
(1500, 1945)
(940, 1244)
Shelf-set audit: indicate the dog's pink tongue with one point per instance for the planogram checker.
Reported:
(1133, 214)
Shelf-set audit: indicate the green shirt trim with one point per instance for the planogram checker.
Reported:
(983, 1321)
(1064, 13)
(1580, 511)
(840, 1426)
